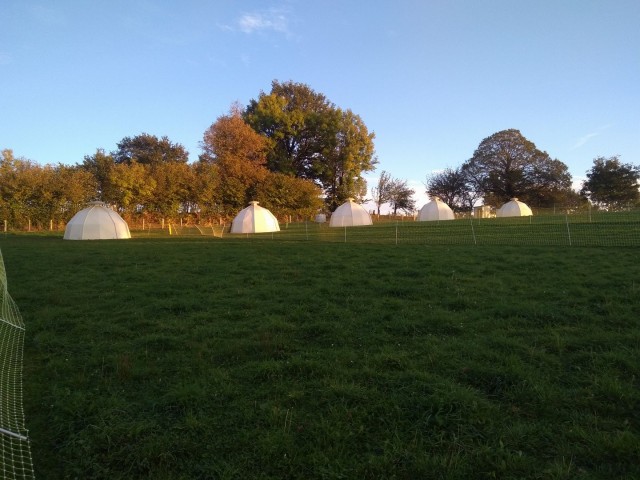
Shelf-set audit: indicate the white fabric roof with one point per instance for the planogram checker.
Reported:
(254, 219)
(350, 214)
(96, 222)
(514, 208)
(436, 209)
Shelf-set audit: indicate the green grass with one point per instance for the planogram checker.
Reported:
(202, 358)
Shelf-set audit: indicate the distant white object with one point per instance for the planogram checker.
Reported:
(254, 219)
(350, 214)
(514, 208)
(96, 222)
(436, 209)
(483, 211)
(320, 218)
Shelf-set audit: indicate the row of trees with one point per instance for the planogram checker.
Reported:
(290, 149)
(296, 153)
(507, 165)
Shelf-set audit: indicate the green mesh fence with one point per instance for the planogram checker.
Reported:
(15, 453)
(569, 228)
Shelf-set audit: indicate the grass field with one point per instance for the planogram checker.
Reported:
(205, 358)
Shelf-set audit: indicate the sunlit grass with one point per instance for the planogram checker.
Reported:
(198, 357)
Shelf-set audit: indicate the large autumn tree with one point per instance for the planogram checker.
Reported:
(309, 137)
(507, 165)
(239, 155)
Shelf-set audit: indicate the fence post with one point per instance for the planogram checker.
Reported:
(473, 232)
(5, 226)
(566, 218)
(51, 225)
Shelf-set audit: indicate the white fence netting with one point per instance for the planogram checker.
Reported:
(15, 451)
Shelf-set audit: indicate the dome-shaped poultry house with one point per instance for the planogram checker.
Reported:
(96, 222)
(254, 219)
(350, 214)
(436, 209)
(514, 208)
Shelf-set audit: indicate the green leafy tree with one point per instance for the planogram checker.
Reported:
(400, 197)
(99, 165)
(507, 165)
(21, 189)
(309, 137)
(131, 185)
(149, 150)
(173, 193)
(612, 184)
(349, 153)
(288, 196)
(453, 187)
(68, 189)
(294, 118)
(206, 186)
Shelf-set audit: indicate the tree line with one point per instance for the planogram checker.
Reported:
(296, 153)
(507, 165)
(291, 149)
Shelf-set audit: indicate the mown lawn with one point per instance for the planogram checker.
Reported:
(203, 358)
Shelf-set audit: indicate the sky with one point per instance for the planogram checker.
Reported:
(431, 78)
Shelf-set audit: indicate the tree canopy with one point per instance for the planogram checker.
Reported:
(309, 137)
(453, 187)
(507, 165)
(239, 153)
(149, 150)
(401, 197)
(395, 192)
(612, 184)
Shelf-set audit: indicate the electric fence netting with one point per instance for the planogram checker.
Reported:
(15, 450)
(578, 229)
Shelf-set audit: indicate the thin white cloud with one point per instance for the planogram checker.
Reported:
(254, 22)
(273, 20)
(585, 138)
(5, 58)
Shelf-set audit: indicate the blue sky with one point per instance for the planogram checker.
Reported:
(431, 78)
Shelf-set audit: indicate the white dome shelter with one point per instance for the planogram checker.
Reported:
(350, 214)
(254, 219)
(96, 222)
(514, 208)
(436, 209)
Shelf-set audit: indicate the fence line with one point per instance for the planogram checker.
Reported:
(585, 227)
(603, 229)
